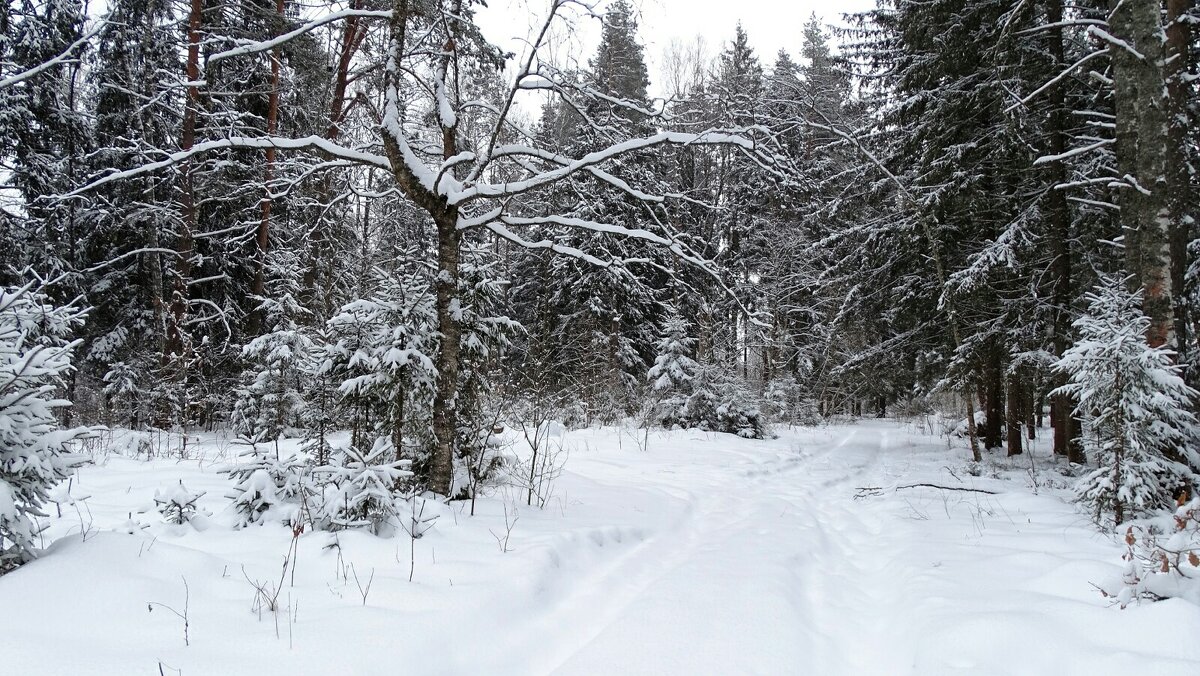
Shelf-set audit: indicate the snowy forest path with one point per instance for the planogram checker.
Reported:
(764, 542)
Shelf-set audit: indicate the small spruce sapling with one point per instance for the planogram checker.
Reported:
(361, 488)
(674, 371)
(177, 504)
(264, 481)
(1135, 406)
(35, 357)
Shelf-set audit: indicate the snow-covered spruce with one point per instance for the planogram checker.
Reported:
(1135, 407)
(674, 369)
(266, 485)
(177, 504)
(360, 490)
(691, 395)
(377, 355)
(720, 402)
(35, 354)
(273, 398)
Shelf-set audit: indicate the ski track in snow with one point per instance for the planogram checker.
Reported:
(702, 554)
(771, 546)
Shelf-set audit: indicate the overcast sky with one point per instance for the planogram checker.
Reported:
(771, 25)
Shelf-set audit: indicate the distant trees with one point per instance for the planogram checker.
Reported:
(458, 163)
(300, 217)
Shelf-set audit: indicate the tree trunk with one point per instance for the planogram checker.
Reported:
(994, 396)
(1059, 226)
(262, 238)
(445, 414)
(353, 34)
(1179, 194)
(1141, 149)
(1031, 405)
(175, 343)
(1015, 391)
(1075, 452)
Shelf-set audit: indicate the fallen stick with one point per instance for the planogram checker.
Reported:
(873, 491)
(948, 488)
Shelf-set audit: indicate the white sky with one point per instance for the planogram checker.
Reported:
(771, 25)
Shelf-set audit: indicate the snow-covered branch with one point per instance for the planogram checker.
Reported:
(315, 143)
(256, 47)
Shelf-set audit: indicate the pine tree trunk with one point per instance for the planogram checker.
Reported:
(1179, 193)
(353, 34)
(175, 343)
(994, 397)
(1059, 226)
(262, 239)
(1013, 422)
(1141, 150)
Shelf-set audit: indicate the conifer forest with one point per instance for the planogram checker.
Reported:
(534, 337)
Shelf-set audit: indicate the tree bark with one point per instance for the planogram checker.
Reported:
(445, 413)
(1015, 391)
(1179, 193)
(994, 396)
(1141, 149)
(262, 239)
(175, 344)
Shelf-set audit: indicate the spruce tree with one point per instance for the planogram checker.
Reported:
(673, 371)
(35, 360)
(1138, 425)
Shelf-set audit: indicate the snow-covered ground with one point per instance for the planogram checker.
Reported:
(690, 554)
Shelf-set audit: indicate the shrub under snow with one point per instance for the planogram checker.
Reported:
(1163, 566)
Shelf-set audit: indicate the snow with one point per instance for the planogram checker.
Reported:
(676, 552)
